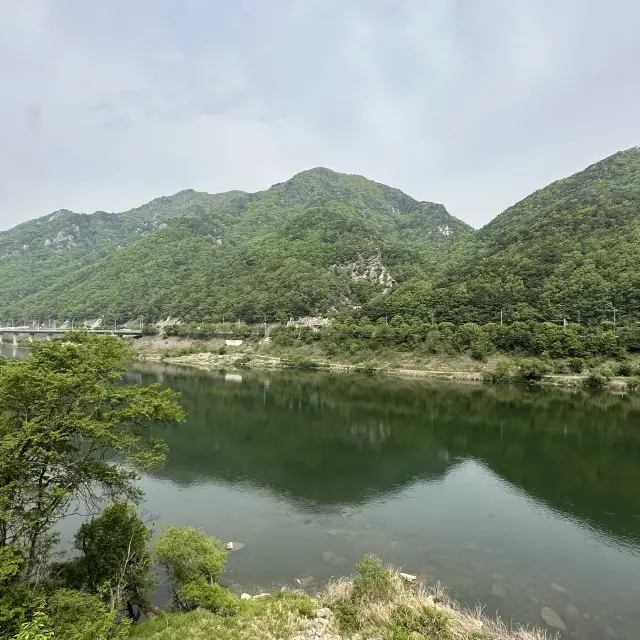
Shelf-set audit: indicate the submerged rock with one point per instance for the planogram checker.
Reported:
(552, 618)
(328, 556)
(304, 582)
(498, 590)
(558, 587)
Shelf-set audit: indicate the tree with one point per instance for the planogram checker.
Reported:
(70, 433)
(193, 561)
(115, 562)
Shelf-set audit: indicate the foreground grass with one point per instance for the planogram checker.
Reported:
(275, 616)
(376, 603)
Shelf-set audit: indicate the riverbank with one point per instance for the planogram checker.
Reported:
(376, 603)
(215, 355)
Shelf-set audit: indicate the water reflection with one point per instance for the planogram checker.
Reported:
(328, 441)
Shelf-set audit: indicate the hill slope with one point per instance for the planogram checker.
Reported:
(36, 254)
(570, 250)
(317, 241)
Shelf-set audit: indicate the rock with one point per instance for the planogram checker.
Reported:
(572, 612)
(323, 613)
(558, 587)
(328, 556)
(335, 532)
(245, 596)
(552, 618)
(304, 582)
(260, 595)
(338, 562)
(498, 590)
(229, 546)
(408, 577)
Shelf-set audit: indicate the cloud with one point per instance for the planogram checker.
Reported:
(473, 104)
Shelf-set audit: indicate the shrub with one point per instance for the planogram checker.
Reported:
(210, 596)
(625, 368)
(500, 374)
(576, 365)
(596, 380)
(35, 629)
(633, 384)
(188, 555)
(532, 370)
(429, 622)
(74, 615)
(373, 581)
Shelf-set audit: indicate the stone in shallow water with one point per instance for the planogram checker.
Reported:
(338, 562)
(552, 618)
(304, 582)
(328, 556)
(558, 587)
(408, 577)
(234, 546)
(572, 612)
(498, 590)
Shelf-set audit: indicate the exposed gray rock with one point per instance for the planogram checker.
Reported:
(245, 596)
(552, 618)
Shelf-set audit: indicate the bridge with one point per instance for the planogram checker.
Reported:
(49, 333)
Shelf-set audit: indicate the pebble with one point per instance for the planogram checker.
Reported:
(552, 618)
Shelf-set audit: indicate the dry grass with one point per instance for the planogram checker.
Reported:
(409, 610)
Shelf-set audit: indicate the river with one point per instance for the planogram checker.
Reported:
(514, 498)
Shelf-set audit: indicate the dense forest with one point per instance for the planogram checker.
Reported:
(325, 243)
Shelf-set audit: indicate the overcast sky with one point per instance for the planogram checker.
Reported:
(472, 103)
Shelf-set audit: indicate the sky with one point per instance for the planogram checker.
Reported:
(471, 103)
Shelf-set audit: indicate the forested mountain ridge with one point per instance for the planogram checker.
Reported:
(319, 241)
(40, 252)
(570, 250)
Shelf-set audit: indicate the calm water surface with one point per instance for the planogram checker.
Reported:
(516, 499)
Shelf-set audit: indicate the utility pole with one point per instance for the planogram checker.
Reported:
(614, 319)
(500, 317)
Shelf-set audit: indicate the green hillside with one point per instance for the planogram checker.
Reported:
(570, 250)
(319, 241)
(36, 254)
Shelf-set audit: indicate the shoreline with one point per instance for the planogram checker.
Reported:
(205, 359)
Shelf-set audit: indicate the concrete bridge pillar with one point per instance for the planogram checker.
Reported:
(49, 337)
(15, 339)
(1, 339)
(31, 337)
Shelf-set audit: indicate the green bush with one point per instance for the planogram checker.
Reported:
(596, 380)
(188, 554)
(74, 615)
(210, 596)
(576, 365)
(373, 581)
(38, 628)
(500, 374)
(624, 368)
(429, 622)
(532, 370)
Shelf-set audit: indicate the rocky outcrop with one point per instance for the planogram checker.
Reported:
(368, 268)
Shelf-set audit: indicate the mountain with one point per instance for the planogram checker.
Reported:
(570, 250)
(321, 240)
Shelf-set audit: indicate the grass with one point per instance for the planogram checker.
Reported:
(376, 603)
(276, 616)
(379, 603)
